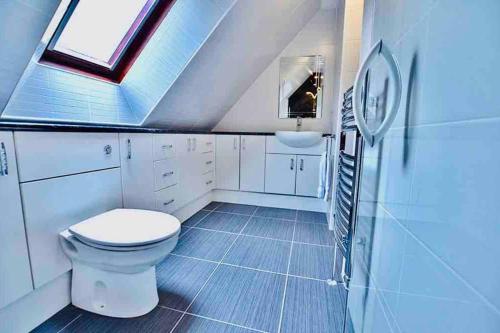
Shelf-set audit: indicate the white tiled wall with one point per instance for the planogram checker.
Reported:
(178, 38)
(46, 93)
(428, 232)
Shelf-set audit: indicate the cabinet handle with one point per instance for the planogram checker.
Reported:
(168, 202)
(243, 144)
(108, 149)
(209, 143)
(194, 144)
(167, 146)
(209, 182)
(129, 149)
(4, 163)
(208, 162)
(301, 164)
(235, 144)
(189, 144)
(166, 174)
(292, 163)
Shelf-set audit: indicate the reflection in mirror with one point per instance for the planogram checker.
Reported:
(301, 87)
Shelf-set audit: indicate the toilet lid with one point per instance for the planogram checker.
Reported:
(126, 227)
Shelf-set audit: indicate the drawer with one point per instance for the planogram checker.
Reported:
(274, 146)
(207, 162)
(165, 174)
(206, 143)
(51, 154)
(163, 146)
(209, 181)
(166, 199)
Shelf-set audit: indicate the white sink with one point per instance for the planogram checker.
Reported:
(299, 139)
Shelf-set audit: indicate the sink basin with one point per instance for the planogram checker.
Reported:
(299, 139)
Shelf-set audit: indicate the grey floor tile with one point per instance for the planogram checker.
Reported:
(204, 244)
(212, 205)
(158, 320)
(313, 234)
(196, 218)
(312, 261)
(277, 213)
(312, 306)
(241, 296)
(193, 324)
(236, 208)
(224, 222)
(259, 253)
(179, 280)
(311, 217)
(59, 320)
(184, 230)
(270, 228)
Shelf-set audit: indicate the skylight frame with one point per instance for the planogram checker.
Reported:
(125, 55)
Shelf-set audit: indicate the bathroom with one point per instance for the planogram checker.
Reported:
(292, 166)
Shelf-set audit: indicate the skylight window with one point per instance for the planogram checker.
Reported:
(103, 37)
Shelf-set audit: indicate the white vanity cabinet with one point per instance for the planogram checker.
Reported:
(15, 272)
(252, 163)
(228, 162)
(292, 171)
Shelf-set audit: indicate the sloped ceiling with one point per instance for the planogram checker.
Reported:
(245, 42)
(22, 24)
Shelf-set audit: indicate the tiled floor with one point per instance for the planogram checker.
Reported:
(237, 268)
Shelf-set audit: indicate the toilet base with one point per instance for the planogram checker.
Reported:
(113, 294)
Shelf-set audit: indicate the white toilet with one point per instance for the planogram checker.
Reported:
(114, 256)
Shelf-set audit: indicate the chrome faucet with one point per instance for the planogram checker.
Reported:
(299, 123)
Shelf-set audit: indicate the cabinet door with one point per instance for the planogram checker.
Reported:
(15, 273)
(136, 153)
(253, 163)
(227, 162)
(308, 175)
(280, 173)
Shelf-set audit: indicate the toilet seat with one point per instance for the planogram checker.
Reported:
(126, 229)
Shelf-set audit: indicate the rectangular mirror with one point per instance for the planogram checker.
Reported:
(301, 86)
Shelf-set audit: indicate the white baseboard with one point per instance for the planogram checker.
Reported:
(271, 200)
(194, 206)
(33, 309)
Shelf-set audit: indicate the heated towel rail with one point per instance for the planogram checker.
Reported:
(346, 196)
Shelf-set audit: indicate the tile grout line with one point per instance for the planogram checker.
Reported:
(211, 274)
(262, 237)
(247, 267)
(287, 275)
(70, 323)
(211, 319)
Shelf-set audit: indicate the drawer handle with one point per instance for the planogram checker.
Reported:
(209, 182)
(108, 149)
(167, 146)
(166, 174)
(4, 163)
(129, 149)
(208, 162)
(292, 163)
(301, 164)
(168, 202)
